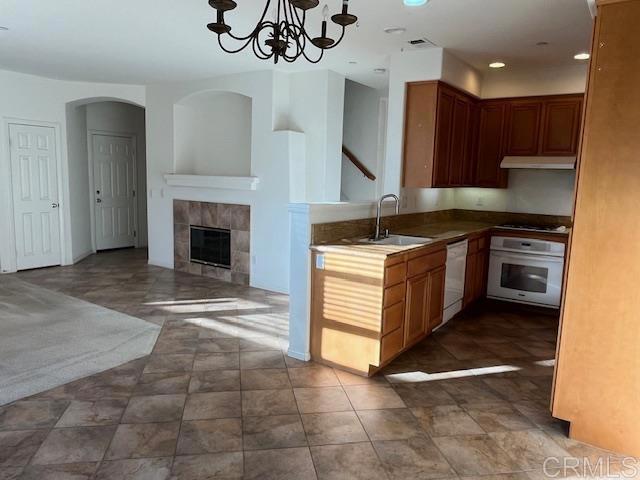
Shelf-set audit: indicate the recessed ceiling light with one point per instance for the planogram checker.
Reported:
(582, 56)
(380, 71)
(497, 65)
(415, 3)
(352, 62)
(395, 30)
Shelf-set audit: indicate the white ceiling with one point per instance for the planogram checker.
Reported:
(153, 41)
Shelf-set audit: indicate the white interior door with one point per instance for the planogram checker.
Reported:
(34, 177)
(115, 185)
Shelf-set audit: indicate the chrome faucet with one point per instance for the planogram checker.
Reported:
(377, 235)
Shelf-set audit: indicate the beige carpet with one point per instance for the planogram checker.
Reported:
(48, 339)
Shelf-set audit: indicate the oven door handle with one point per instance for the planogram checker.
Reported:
(527, 258)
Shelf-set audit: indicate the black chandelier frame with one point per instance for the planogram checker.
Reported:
(285, 38)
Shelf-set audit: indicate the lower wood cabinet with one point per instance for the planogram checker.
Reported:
(367, 310)
(477, 269)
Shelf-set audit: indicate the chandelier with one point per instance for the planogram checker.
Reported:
(284, 37)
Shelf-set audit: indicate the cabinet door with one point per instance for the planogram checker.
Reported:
(436, 298)
(470, 159)
(490, 136)
(481, 271)
(416, 308)
(444, 130)
(561, 127)
(470, 280)
(523, 128)
(419, 134)
(459, 139)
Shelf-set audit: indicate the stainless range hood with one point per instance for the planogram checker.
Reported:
(540, 163)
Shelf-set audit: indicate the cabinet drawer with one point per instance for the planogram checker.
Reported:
(394, 295)
(391, 345)
(395, 274)
(392, 318)
(426, 263)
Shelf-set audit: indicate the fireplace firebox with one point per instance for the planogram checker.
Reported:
(210, 246)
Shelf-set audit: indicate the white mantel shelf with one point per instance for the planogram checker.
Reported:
(212, 182)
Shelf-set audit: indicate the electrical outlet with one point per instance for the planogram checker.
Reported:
(480, 202)
(320, 262)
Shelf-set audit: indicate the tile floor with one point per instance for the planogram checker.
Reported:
(218, 398)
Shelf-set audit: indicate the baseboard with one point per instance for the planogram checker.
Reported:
(305, 357)
(160, 263)
(82, 256)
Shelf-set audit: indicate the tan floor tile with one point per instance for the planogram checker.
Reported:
(347, 378)
(316, 376)
(154, 409)
(529, 448)
(206, 467)
(17, 447)
(169, 363)
(143, 469)
(210, 436)
(11, 473)
(265, 379)
(74, 445)
(373, 397)
(268, 402)
(205, 406)
(396, 424)
(27, 414)
(282, 431)
(268, 359)
(498, 417)
(280, 464)
(93, 414)
(415, 458)
(216, 361)
(162, 384)
(355, 461)
(475, 455)
(219, 345)
(144, 440)
(425, 394)
(333, 428)
(215, 381)
(322, 399)
(72, 471)
(445, 420)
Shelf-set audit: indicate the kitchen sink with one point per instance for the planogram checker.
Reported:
(399, 240)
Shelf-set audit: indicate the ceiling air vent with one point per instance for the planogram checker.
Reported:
(422, 42)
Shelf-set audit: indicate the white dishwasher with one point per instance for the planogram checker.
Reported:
(454, 283)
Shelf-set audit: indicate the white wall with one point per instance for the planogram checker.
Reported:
(213, 135)
(31, 98)
(316, 108)
(362, 137)
(507, 82)
(270, 163)
(460, 74)
(545, 192)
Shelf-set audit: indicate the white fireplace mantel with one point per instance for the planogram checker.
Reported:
(212, 182)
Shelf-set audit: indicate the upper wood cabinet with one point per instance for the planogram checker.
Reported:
(561, 126)
(492, 116)
(544, 126)
(523, 127)
(437, 136)
(452, 139)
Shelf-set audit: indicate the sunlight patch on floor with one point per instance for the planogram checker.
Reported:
(418, 376)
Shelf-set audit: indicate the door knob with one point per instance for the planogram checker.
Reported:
(55, 205)
(98, 200)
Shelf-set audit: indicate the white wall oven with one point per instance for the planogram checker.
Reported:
(526, 271)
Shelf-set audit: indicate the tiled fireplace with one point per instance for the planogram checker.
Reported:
(219, 219)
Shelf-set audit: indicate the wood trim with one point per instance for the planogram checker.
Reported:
(358, 164)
